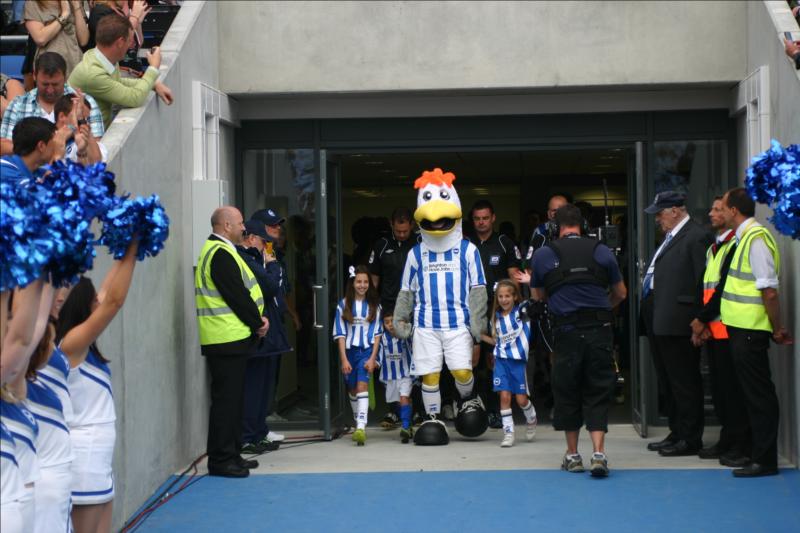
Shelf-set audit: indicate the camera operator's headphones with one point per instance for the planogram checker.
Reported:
(552, 229)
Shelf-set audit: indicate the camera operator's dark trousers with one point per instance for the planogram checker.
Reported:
(729, 404)
(749, 355)
(583, 377)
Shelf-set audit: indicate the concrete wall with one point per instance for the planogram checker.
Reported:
(290, 47)
(159, 377)
(764, 47)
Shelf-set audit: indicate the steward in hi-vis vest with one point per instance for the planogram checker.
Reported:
(230, 305)
(216, 321)
(750, 310)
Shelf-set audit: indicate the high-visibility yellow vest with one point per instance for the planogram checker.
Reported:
(216, 321)
(710, 282)
(742, 306)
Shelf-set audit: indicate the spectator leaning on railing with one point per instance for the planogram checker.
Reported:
(98, 74)
(50, 73)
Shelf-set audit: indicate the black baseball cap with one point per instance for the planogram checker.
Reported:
(256, 227)
(268, 217)
(664, 200)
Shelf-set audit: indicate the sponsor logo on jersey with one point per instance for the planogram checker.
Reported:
(494, 260)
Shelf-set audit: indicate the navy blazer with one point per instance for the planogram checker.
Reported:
(269, 278)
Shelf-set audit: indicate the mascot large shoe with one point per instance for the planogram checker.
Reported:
(442, 307)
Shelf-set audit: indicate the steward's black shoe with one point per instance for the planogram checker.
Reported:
(734, 460)
(655, 446)
(228, 470)
(713, 452)
(681, 448)
(756, 470)
(247, 463)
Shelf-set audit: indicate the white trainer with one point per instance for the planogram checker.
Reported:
(275, 437)
(508, 440)
(530, 430)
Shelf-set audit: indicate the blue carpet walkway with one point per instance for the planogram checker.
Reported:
(522, 500)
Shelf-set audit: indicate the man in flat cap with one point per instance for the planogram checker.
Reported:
(671, 296)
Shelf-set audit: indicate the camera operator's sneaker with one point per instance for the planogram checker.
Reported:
(508, 440)
(572, 463)
(599, 465)
(530, 430)
(390, 421)
(275, 437)
(406, 435)
(359, 437)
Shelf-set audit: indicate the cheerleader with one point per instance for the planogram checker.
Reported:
(52, 492)
(84, 316)
(357, 332)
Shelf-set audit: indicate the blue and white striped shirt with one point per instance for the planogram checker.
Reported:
(359, 333)
(440, 282)
(512, 337)
(394, 356)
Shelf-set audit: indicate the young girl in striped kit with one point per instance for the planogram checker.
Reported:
(357, 331)
(511, 340)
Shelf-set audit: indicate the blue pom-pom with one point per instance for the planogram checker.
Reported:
(140, 216)
(75, 195)
(774, 179)
(22, 247)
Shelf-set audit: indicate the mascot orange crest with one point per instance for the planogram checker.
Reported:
(435, 177)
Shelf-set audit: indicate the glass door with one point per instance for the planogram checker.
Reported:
(328, 289)
(641, 373)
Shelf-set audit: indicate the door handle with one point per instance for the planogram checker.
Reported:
(314, 289)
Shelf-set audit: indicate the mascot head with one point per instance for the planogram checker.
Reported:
(438, 210)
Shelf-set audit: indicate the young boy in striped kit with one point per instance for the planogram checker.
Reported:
(394, 357)
(511, 339)
(357, 330)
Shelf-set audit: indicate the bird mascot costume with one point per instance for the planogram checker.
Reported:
(441, 307)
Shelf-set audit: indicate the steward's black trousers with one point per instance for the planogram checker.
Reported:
(729, 404)
(749, 354)
(583, 377)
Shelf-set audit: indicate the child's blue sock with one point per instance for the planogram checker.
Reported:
(405, 415)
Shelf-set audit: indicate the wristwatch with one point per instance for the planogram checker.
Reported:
(61, 20)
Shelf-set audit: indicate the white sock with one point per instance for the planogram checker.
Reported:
(530, 412)
(432, 399)
(354, 405)
(508, 421)
(465, 389)
(363, 407)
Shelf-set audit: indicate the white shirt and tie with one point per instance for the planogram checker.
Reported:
(648, 284)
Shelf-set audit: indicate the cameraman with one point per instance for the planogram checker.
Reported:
(574, 274)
